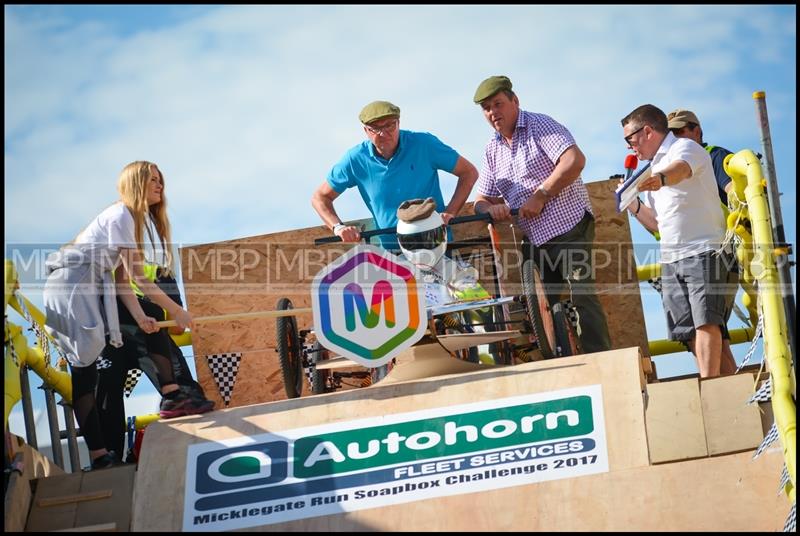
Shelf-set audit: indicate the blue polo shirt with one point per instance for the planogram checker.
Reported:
(411, 173)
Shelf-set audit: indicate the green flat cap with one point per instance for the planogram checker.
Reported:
(490, 86)
(376, 110)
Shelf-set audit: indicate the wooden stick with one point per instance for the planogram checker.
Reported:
(239, 316)
(102, 527)
(76, 497)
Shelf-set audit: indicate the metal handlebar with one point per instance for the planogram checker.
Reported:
(484, 216)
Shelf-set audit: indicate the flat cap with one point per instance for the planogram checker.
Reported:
(376, 110)
(490, 86)
(680, 118)
(416, 209)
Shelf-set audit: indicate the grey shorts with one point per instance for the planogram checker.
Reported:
(730, 297)
(697, 291)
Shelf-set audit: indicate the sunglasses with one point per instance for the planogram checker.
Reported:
(630, 136)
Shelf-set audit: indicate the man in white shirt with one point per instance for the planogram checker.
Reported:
(681, 204)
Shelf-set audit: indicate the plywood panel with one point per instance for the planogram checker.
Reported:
(633, 495)
(17, 500)
(672, 497)
(161, 475)
(617, 283)
(730, 424)
(54, 517)
(674, 418)
(252, 273)
(112, 489)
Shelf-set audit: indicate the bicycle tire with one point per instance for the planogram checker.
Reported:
(290, 354)
(539, 313)
(567, 340)
(319, 378)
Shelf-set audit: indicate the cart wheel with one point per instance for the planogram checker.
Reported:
(538, 309)
(319, 378)
(289, 351)
(567, 339)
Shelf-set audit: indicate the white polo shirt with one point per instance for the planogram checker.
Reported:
(688, 215)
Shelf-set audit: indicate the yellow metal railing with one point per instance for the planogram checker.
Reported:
(756, 254)
(759, 269)
(19, 353)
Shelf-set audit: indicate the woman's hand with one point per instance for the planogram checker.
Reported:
(147, 323)
(184, 319)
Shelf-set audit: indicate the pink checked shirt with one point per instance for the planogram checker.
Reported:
(515, 172)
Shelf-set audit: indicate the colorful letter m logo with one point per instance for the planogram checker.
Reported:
(367, 306)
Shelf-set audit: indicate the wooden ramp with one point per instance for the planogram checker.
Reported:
(40, 497)
(553, 445)
(94, 501)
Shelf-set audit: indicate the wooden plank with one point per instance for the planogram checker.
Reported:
(17, 500)
(731, 425)
(59, 516)
(100, 527)
(238, 316)
(74, 498)
(674, 419)
(427, 361)
(337, 363)
(116, 508)
(460, 341)
(84, 499)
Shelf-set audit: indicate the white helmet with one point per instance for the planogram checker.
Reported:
(422, 241)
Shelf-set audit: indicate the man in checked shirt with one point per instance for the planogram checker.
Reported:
(533, 163)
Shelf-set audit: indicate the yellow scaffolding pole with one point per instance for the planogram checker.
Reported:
(763, 271)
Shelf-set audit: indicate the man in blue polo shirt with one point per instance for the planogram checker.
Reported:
(390, 167)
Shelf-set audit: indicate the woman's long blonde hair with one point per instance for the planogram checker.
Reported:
(132, 186)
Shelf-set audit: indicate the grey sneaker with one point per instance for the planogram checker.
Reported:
(109, 459)
(181, 405)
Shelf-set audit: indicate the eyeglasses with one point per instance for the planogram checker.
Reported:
(630, 136)
(388, 128)
(687, 126)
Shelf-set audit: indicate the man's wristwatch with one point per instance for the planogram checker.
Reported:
(338, 226)
(542, 189)
(663, 178)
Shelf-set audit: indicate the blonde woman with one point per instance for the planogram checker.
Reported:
(83, 281)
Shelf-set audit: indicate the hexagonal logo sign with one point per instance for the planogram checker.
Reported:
(368, 306)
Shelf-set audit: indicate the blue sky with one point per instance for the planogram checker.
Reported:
(245, 109)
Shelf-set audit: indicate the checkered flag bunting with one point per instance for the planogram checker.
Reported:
(772, 436)
(656, 282)
(752, 349)
(764, 393)
(791, 519)
(41, 336)
(784, 479)
(14, 357)
(309, 373)
(224, 368)
(572, 312)
(131, 380)
(308, 350)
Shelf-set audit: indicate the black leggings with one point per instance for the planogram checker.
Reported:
(158, 343)
(84, 380)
